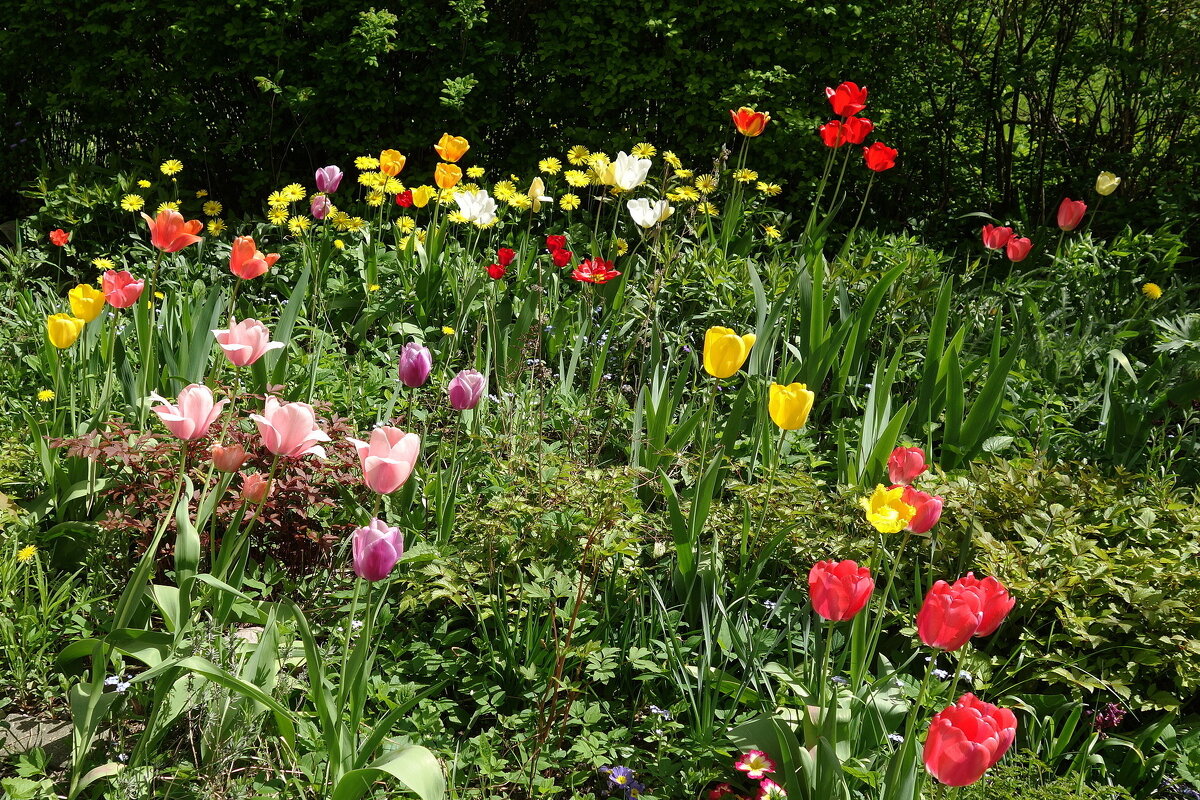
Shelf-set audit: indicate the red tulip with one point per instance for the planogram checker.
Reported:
(995, 599)
(928, 508)
(880, 157)
(496, 272)
(246, 261)
(169, 233)
(950, 616)
(1018, 248)
(995, 238)
(855, 129)
(832, 134)
(748, 121)
(404, 199)
(847, 99)
(556, 242)
(561, 257)
(594, 270)
(1070, 213)
(966, 739)
(59, 237)
(505, 256)
(905, 464)
(839, 589)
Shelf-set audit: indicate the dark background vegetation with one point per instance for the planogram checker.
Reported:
(995, 105)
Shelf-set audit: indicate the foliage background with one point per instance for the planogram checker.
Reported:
(997, 105)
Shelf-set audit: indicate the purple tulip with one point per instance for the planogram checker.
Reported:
(466, 389)
(320, 206)
(415, 364)
(329, 179)
(377, 548)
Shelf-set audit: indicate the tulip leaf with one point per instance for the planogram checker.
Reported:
(414, 767)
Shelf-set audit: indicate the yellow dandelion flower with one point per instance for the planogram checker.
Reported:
(355, 224)
(201, 193)
(684, 173)
(577, 178)
(374, 287)
(103, 263)
(338, 220)
(1152, 291)
(393, 186)
(213, 208)
(406, 224)
(277, 200)
(598, 161)
(45, 395)
(339, 244)
(133, 202)
(171, 166)
(366, 162)
(578, 155)
(277, 216)
(672, 159)
(456, 216)
(769, 189)
(643, 150)
(216, 226)
(550, 166)
(771, 232)
(521, 201)
(168, 205)
(294, 192)
(504, 191)
(745, 175)
(374, 197)
(26, 553)
(568, 202)
(145, 184)
(299, 224)
(622, 247)
(446, 196)
(160, 296)
(688, 193)
(369, 179)
(475, 172)
(448, 331)
(706, 184)
(708, 208)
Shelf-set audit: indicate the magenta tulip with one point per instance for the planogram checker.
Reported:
(1070, 213)
(388, 459)
(416, 362)
(319, 207)
(466, 389)
(377, 548)
(193, 413)
(328, 179)
(905, 464)
(245, 342)
(290, 429)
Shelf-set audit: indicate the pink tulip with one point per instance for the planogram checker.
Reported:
(245, 342)
(255, 488)
(228, 459)
(995, 238)
(194, 413)
(389, 458)
(328, 179)
(120, 289)
(1018, 248)
(905, 464)
(928, 508)
(377, 548)
(319, 207)
(290, 429)
(1070, 213)
(416, 362)
(466, 389)
(246, 261)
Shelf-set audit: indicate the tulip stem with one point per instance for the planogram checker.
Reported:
(877, 624)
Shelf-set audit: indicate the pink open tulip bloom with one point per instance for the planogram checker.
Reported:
(466, 389)
(328, 179)
(839, 589)
(1070, 213)
(377, 548)
(928, 508)
(388, 459)
(290, 429)
(950, 616)
(246, 261)
(192, 413)
(245, 342)
(966, 739)
(170, 233)
(120, 289)
(416, 362)
(905, 464)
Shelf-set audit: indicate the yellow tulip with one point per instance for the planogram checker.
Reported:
(422, 195)
(887, 511)
(391, 162)
(1107, 183)
(63, 329)
(86, 302)
(451, 148)
(790, 405)
(447, 176)
(725, 351)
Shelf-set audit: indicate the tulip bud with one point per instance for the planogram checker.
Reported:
(1018, 248)
(422, 195)
(995, 599)
(376, 549)
(905, 464)
(789, 406)
(255, 488)
(839, 589)
(725, 351)
(447, 176)
(1070, 213)
(63, 330)
(391, 162)
(228, 459)
(950, 616)
(328, 179)
(1107, 183)
(451, 148)
(86, 302)
(748, 121)
(967, 739)
(466, 389)
(416, 362)
(319, 207)
(927, 509)
(120, 289)
(995, 237)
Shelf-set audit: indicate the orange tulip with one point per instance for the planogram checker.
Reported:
(447, 176)
(391, 162)
(451, 148)
(748, 121)
(169, 233)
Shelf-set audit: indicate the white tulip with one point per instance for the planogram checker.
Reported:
(647, 214)
(628, 172)
(477, 207)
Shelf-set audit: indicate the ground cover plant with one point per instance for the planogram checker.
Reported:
(619, 477)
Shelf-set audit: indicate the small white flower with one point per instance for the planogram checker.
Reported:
(941, 674)
(895, 737)
(123, 686)
(356, 624)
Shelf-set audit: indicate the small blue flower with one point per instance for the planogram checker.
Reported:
(620, 776)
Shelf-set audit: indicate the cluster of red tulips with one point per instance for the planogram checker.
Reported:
(848, 100)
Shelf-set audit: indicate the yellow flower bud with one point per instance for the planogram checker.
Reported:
(1107, 183)
(63, 329)
(446, 176)
(887, 511)
(790, 405)
(422, 195)
(86, 302)
(725, 351)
